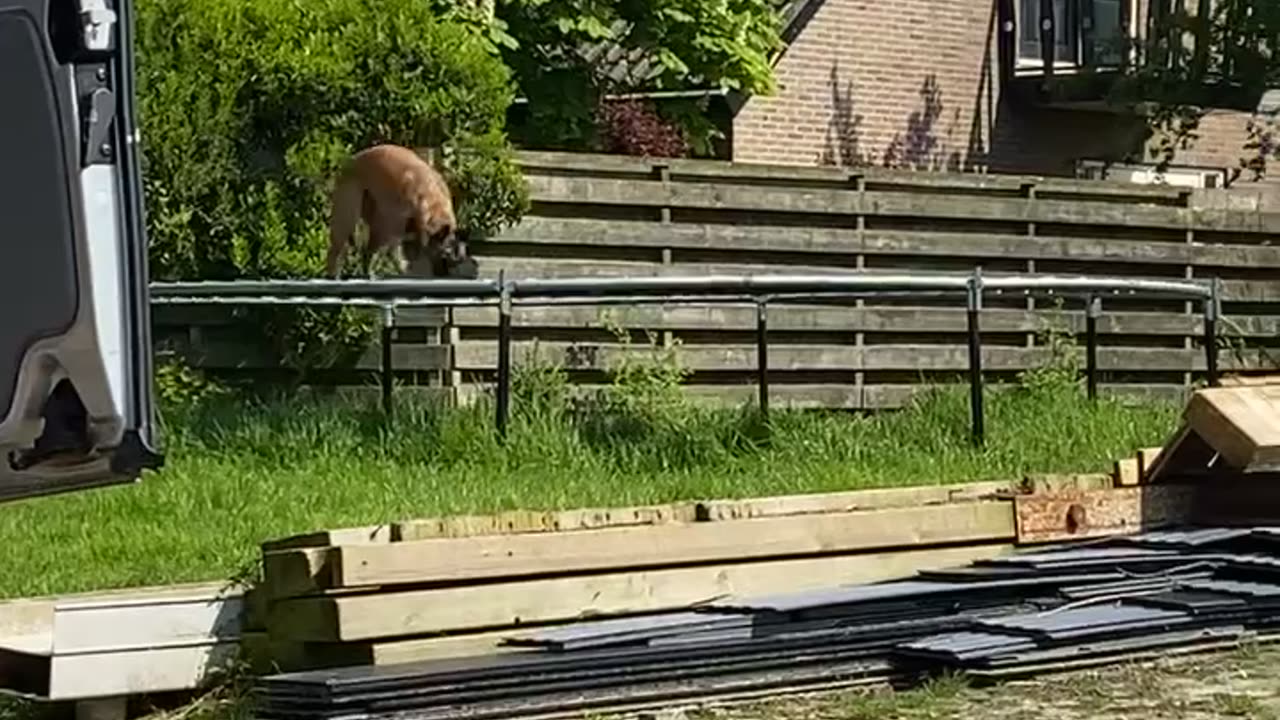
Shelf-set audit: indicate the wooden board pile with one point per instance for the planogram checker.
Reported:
(455, 586)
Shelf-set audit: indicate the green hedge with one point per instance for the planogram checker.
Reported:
(248, 107)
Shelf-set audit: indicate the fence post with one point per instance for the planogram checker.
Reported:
(762, 355)
(1211, 309)
(502, 398)
(387, 378)
(975, 357)
(1091, 345)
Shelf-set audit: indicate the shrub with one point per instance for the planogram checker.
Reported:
(249, 108)
(634, 127)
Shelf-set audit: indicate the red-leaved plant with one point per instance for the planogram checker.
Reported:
(633, 127)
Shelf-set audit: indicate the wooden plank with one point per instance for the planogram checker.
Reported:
(704, 196)
(27, 624)
(835, 319)
(140, 672)
(533, 162)
(248, 356)
(534, 521)
(823, 241)
(400, 614)
(131, 624)
(1146, 461)
(222, 315)
(1126, 472)
(286, 573)
(483, 355)
(324, 538)
(467, 559)
(1057, 483)
(1242, 423)
(1249, 381)
(1098, 513)
(528, 521)
(849, 501)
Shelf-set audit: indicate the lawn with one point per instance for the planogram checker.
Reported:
(241, 470)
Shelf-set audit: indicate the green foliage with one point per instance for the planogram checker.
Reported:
(564, 56)
(248, 109)
(1060, 370)
(1187, 64)
(178, 385)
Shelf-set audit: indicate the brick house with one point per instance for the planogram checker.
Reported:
(958, 85)
(954, 85)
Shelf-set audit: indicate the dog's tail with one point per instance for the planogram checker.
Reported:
(345, 204)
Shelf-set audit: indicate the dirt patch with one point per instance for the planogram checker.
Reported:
(1243, 683)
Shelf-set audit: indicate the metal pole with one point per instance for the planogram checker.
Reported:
(975, 358)
(1091, 345)
(503, 392)
(1211, 310)
(388, 326)
(762, 356)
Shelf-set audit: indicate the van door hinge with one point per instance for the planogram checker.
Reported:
(96, 22)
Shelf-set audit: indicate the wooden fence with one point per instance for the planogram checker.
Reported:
(616, 216)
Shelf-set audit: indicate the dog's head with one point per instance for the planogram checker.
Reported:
(443, 253)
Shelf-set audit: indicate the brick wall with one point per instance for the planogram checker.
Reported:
(913, 83)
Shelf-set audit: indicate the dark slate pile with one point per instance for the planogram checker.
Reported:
(1062, 607)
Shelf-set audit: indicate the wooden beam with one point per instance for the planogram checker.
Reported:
(1126, 472)
(469, 559)
(515, 604)
(534, 521)
(1242, 423)
(1099, 513)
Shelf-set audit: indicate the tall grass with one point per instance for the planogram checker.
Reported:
(241, 469)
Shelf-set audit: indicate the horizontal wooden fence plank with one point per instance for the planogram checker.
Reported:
(588, 165)
(843, 241)
(412, 612)
(483, 355)
(725, 197)
(469, 559)
(250, 356)
(897, 320)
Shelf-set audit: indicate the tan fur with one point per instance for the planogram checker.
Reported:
(405, 204)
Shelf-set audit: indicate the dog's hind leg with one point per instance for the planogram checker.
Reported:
(383, 239)
(346, 203)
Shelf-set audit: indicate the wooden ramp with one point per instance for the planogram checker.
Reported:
(1235, 427)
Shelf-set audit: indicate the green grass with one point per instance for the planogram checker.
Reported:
(239, 472)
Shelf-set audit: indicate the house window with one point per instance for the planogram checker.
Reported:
(1109, 32)
(1065, 26)
(1103, 19)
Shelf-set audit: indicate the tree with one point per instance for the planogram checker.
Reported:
(1221, 54)
(566, 55)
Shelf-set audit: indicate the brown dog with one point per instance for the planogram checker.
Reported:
(408, 209)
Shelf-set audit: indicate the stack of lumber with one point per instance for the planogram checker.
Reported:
(1133, 597)
(455, 586)
(119, 643)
